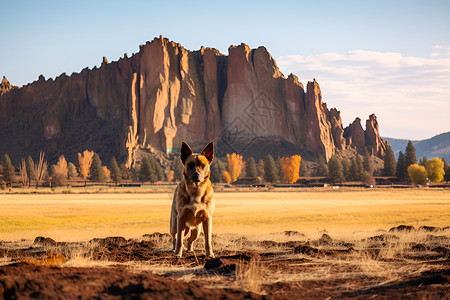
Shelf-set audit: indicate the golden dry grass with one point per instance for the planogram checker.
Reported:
(75, 217)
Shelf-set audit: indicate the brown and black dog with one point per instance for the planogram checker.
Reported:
(193, 201)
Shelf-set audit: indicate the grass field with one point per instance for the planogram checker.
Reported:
(77, 217)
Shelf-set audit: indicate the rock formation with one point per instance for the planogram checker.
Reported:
(165, 94)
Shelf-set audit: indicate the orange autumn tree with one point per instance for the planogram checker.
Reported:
(85, 161)
(234, 165)
(226, 177)
(290, 167)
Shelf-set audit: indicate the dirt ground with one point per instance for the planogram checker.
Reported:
(401, 263)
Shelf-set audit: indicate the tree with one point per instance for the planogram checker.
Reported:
(402, 169)
(85, 162)
(346, 168)
(270, 169)
(23, 175)
(322, 169)
(107, 173)
(157, 168)
(71, 171)
(290, 167)
(250, 168)
(178, 168)
(40, 169)
(304, 172)
(423, 162)
(435, 169)
(147, 171)
(367, 162)
(335, 169)
(116, 174)
(96, 170)
(234, 165)
(410, 154)
(417, 174)
(357, 171)
(217, 169)
(8, 170)
(59, 171)
(389, 162)
(30, 169)
(447, 174)
(261, 168)
(226, 177)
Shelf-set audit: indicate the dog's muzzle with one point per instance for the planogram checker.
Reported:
(196, 177)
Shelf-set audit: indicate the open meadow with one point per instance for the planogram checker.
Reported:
(313, 243)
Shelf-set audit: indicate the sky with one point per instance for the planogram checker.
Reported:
(391, 58)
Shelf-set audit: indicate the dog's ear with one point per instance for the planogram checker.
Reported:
(185, 151)
(208, 152)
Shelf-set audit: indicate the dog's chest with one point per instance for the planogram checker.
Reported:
(197, 212)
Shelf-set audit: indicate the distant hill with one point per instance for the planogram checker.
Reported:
(437, 146)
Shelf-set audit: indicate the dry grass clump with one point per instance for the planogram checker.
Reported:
(52, 260)
(250, 276)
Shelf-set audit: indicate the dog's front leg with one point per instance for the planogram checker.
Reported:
(180, 230)
(207, 229)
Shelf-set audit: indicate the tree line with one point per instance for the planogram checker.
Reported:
(89, 167)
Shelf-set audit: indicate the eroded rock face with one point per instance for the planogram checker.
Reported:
(166, 94)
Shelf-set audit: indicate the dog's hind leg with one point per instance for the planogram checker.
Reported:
(195, 232)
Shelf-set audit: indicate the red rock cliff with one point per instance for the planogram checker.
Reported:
(165, 94)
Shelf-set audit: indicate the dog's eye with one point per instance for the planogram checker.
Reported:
(202, 166)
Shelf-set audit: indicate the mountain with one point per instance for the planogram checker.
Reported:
(437, 146)
(165, 94)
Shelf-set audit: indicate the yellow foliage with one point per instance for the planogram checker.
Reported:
(226, 177)
(290, 166)
(234, 166)
(60, 169)
(417, 174)
(435, 169)
(85, 162)
(107, 173)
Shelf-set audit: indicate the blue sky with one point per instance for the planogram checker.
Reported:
(391, 58)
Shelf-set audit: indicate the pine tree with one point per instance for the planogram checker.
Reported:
(304, 172)
(447, 173)
(217, 169)
(147, 171)
(322, 169)
(357, 171)
(402, 169)
(423, 161)
(389, 162)
(260, 167)
(410, 154)
(270, 169)
(30, 169)
(116, 174)
(97, 171)
(367, 162)
(250, 169)
(157, 168)
(346, 167)
(335, 169)
(178, 168)
(8, 170)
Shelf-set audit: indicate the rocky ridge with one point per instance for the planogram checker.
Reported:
(165, 94)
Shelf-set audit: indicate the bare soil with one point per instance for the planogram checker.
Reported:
(404, 263)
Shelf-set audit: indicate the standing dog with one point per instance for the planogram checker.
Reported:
(193, 201)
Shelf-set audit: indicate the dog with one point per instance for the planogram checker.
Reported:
(193, 200)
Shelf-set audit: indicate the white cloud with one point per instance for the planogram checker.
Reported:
(409, 95)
